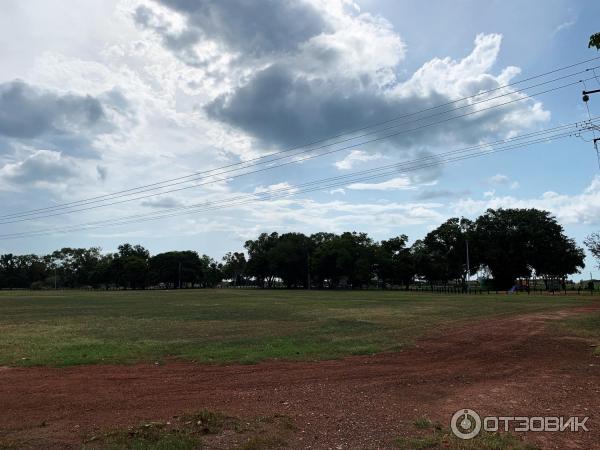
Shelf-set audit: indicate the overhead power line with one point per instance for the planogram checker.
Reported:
(272, 195)
(327, 183)
(188, 178)
(527, 135)
(34, 215)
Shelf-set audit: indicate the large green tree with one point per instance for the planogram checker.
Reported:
(259, 265)
(234, 267)
(514, 242)
(75, 266)
(348, 257)
(12, 274)
(395, 263)
(129, 266)
(289, 259)
(212, 272)
(442, 255)
(178, 268)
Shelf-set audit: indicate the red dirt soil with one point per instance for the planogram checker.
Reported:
(517, 366)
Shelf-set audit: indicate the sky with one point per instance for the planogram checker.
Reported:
(103, 96)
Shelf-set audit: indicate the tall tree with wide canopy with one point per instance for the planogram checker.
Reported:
(290, 258)
(349, 255)
(442, 255)
(129, 266)
(234, 266)
(513, 242)
(259, 265)
(213, 273)
(395, 264)
(11, 273)
(175, 267)
(75, 266)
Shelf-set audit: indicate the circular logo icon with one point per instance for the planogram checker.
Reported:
(465, 424)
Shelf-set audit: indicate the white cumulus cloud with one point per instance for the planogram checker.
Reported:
(354, 157)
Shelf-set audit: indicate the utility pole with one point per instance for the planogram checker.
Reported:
(179, 274)
(307, 270)
(586, 94)
(464, 227)
(468, 268)
(55, 278)
(586, 98)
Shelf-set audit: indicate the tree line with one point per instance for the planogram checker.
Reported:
(503, 245)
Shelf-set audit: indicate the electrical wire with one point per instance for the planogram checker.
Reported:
(137, 190)
(23, 217)
(369, 174)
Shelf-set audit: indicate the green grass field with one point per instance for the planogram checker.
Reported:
(75, 327)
